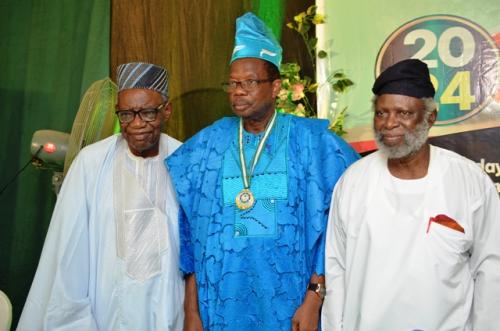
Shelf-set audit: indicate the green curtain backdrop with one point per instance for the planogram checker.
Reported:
(272, 12)
(50, 52)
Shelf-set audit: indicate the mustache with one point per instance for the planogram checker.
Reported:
(413, 141)
(240, 102)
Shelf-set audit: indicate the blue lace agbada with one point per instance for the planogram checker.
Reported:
(252, 267)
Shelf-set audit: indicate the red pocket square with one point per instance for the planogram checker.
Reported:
(445, 221)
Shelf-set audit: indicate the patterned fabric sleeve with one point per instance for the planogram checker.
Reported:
(183, 177)
(187, 167)
(186, 258)
(328, 158)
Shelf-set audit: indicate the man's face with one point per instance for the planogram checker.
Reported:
(400, 125)
(143, 137)
(256, 103)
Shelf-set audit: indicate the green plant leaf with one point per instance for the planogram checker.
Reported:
(348, 82)
(311, 10)
(337, 124)
(312, 42)
(303, 28)
(322, 54)
(312, 88)
(300, 17)
(318, 19)
(291, 76)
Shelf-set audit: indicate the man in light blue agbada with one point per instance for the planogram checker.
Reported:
(254, 192)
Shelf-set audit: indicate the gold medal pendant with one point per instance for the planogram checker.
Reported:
(245, 199)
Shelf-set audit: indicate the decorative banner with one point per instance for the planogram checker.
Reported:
(460, 43)
(478, 145)
(461, 56)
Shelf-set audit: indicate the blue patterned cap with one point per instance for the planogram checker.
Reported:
(142, 75)
(254, 39)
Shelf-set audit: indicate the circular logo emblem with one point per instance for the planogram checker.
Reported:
(463, 61)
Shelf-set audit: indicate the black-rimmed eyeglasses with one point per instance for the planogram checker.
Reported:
(147, 115)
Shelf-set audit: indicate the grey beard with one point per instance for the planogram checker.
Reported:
(413, 141)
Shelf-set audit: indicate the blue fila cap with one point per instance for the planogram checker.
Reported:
(254, 39)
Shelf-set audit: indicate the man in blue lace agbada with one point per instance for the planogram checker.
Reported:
(254, 192)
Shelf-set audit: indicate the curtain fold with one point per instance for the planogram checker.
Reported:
(272, 12)
(51, 51)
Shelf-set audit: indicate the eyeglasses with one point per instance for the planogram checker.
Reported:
(147, 115)
(247, 85)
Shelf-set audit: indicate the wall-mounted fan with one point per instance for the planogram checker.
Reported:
(94, 121)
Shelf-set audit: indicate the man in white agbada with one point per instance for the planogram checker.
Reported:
(110, 259)
(413, 240)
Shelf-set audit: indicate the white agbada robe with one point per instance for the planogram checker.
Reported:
(387, 270)
(109, 267)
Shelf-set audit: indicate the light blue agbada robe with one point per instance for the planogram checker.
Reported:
(252, 267)
(80, 283)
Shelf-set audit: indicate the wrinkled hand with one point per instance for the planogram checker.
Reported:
(192, 322)
(306, 317)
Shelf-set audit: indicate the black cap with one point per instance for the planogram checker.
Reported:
(408, 77)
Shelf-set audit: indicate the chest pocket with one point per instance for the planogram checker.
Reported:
(448, 249)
